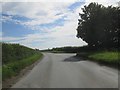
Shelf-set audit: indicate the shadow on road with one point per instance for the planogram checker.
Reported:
(73, 59)
(77, 59)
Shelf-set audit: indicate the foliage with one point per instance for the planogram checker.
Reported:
(15, 57)
(68, 49)
(99, 26)
(75, 49)
(13, 68)
(15, 52)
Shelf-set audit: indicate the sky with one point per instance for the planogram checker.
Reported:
(43, 24)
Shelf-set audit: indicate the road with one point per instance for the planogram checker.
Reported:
(67, 71)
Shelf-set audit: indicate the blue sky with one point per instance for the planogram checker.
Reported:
(41, 24)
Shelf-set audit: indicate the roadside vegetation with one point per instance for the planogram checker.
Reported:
(67, 49)
(16, 57)
(110, 57)
(104, 57)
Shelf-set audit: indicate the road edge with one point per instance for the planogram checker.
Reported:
(10, 82)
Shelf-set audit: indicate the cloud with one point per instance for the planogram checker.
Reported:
(104, 2)
(38, 12)
(42, 15)
(44, 12)
(64, 35)
(59, 36)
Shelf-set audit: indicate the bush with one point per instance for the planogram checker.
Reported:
(13, 52)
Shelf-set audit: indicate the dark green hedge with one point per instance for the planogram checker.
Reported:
(13, 52)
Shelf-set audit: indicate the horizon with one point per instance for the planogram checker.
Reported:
(43, 25)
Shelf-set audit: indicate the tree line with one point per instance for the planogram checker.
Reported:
(74, 49)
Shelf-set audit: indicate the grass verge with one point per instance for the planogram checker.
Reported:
(109, 57)
(105, 57)
(12, 69)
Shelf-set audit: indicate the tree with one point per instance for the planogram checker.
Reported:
(99, 25)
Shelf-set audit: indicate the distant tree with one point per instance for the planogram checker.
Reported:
(99, 26)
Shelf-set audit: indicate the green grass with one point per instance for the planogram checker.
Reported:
(108, 57)
(12, 69)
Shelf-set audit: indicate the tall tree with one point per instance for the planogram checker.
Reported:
(99, 25)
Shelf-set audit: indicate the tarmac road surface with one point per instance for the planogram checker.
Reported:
(67, 71)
